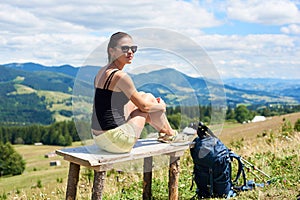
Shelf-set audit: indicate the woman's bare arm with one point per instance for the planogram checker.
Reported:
(126, 85)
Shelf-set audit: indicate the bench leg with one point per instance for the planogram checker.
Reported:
(73, 178)
(147, 194)
(98, 185)
(174, 177)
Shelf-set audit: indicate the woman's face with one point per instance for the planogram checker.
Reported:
(121, 52)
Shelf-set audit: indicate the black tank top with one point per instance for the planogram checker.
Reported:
(108, 109)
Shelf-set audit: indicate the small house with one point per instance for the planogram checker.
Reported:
(50, 155)
(258, 119)
(55, 163)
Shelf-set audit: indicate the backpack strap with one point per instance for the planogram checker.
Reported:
(240, 168)
(211, 180)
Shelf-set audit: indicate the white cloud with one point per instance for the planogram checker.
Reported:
(107, 14)
(53, 32)
(13, 18)
(61, 29)
(253, 55)
(275, 12)
(291, 29)
(48, 49)
(253, 44)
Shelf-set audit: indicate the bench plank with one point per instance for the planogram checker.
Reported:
(93, 156)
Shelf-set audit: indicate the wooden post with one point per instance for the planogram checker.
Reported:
(147, 193)
(174, 177)
(98, 185)
(73, 178)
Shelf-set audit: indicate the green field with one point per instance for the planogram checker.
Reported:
(272, 150)
(55, 100)
(37, 169)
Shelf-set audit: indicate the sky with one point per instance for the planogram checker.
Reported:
(251, 39)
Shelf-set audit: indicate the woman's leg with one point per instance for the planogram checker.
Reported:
(137, 120)
(156, 119)
(159, 119)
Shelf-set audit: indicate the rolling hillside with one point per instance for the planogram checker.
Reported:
(34, 97)
(281, 87)
(33, 93)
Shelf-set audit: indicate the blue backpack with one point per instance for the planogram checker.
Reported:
(212, 166)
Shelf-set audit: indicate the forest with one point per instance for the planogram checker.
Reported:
(64, 133)
(25, 108)
(59, 133)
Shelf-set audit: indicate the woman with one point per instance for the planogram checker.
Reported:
(120, 111)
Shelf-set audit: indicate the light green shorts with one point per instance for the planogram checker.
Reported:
(117, 140)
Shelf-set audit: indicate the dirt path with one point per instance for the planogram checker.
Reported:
(251, 130)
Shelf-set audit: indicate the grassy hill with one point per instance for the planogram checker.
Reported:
(282, 87)
(249, 131)
(34, 97)
(47, 91)
(55, 101)
(265, 144)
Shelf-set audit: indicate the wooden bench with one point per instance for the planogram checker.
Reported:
(100, 161)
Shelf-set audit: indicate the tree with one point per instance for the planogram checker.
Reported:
(230, 115)
(73, 131)
(175, 120)
(11, 162)
(242, 114)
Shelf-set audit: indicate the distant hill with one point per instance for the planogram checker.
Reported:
(33, 93)
(277, 87)
(34, 67)
(171, 80)
(35, 96)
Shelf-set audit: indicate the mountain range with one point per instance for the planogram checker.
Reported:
(34, 93)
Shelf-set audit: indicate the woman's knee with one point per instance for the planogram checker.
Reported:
(148, 96)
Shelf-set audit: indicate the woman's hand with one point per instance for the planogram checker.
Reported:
(162, 102)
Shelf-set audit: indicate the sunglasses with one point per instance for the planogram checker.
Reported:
(125, 49)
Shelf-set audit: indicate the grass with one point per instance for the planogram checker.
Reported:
(54, 96)
(37, 168)
(22, 89)
(56, 101)
(231, 125)
(270, 149)
(274, 153)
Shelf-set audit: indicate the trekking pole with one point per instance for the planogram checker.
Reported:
(255, 168)
(249, 169)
